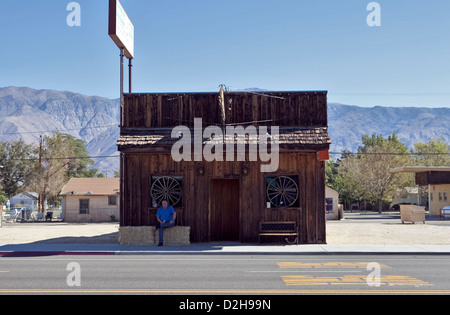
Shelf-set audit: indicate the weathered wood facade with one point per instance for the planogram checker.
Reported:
(225, 200)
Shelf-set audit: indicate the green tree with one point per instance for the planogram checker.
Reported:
(16, 161)
(80, 167)
(63, 157)
(339, 180)
(3, 198)
(368, 173)
(331, 174)
(433, 153)
(377, 140)
(49, 175)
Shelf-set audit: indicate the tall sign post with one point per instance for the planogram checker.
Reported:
(121, 31)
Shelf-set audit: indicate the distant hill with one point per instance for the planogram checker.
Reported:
(411, 124)
(27, 113)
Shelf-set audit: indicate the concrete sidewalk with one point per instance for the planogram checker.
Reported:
(358, 234)
(219, 249)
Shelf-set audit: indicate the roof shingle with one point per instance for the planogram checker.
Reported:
(91, 187)
(295, 137)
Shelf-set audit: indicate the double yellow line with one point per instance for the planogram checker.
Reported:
(309, 280)
(221, 291)
(352, 280)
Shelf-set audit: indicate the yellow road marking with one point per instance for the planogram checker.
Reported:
(344, 265)
(219, 291)
(352, 280)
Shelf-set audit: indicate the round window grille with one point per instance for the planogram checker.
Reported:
(166, 188)
(282, 191)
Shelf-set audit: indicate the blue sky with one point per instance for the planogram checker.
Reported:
(195, 45)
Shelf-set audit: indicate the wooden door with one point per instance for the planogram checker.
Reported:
(224, 210)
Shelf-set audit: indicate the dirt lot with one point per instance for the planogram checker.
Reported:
(354, 229)
(387, 230)
(59, 233)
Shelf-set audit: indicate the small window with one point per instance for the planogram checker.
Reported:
(445, 196)
(84, 206)
(112, 200)
(329, 204)
(440, 196)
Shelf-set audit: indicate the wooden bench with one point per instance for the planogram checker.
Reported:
(279, 228)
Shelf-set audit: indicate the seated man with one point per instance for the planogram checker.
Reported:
(166, 217)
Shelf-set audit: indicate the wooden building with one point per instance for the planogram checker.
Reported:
(225, 199)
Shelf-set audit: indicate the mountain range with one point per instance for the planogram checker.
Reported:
(28, 113)
(348, 123)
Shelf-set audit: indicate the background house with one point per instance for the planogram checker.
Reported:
(91, 200)
(437, 179)
(22, 205)
(439, 198)
(26, 200)
(332, 204)
(408, 195)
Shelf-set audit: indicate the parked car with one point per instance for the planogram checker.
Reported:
(17, 215)
(445, 212)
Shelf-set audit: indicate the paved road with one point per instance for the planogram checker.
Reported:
(225, 275)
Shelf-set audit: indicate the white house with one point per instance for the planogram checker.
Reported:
(332, 204)
(91, 200)
(27, 200)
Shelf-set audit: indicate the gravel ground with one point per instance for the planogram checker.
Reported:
(59, 233)
(387, 230)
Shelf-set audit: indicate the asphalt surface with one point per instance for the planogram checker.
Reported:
(366, 254)
(230, 275)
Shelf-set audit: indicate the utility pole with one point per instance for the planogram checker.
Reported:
(122, 101)
(40, 166)
(130, 66)
(1, 209)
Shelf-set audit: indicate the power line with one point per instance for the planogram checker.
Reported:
(331, 153)
(386, 153)
(70, 158)
(389, 93)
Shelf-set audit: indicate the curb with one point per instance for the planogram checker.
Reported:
(53, 253)
(29, 250)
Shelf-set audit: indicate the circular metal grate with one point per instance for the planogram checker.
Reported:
(282, 191)
(166, 188)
